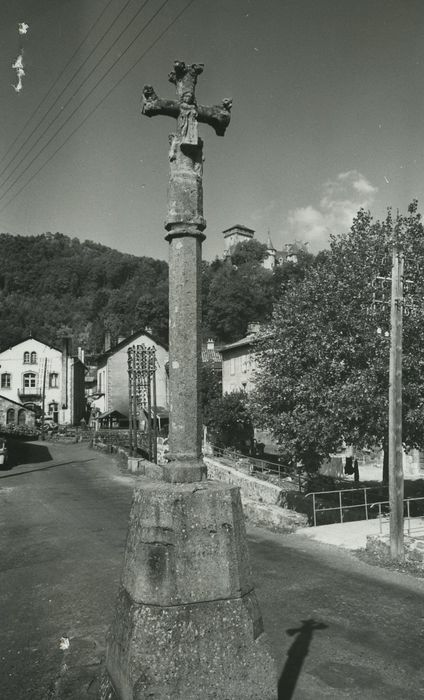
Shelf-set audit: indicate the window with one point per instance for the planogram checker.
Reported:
(10, 416)
(53, 380)
(5, 380)
(29, 380)
(26, 357)
(21, 416)
(33, 358)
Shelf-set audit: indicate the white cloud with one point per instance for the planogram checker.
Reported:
(340, 202)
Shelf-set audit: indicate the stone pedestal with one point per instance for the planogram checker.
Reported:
(187, 623)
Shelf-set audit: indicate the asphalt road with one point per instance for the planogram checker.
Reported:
(337, 627)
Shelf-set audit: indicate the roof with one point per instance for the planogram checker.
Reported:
(31, 337)
(21, 405)
(116, 348)
(161, 411)
(239, 227)
(247, 340)
(112, 414)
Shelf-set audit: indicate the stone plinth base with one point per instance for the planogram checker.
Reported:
(187, 623)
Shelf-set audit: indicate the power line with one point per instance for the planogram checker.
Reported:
(53, 85)
(185, 8)
(73, 95)
(64, 90)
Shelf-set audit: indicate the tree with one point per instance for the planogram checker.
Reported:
(323, 367)
(229, 421)
(210, 388)
(237, 291)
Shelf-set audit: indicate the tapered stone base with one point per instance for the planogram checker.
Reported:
(187, 623)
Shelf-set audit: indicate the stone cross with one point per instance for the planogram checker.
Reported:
(185, 109)
(187, 623)
(185, 225)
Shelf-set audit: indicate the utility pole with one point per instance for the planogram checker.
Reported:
(43, 400)
(395, 408)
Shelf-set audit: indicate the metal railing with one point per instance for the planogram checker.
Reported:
(382, 512)
(256, 464)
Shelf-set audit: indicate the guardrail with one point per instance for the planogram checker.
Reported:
(382, 507)
(262, 466)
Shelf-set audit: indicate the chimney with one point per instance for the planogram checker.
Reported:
(108, 341)
(148, 330)
(210, 344)
(253, 328)
(121, 339)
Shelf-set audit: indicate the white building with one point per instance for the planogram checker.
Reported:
(112, 374)
(238, 363)
(35, 374)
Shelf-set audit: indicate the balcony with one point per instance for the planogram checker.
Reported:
(30, 393)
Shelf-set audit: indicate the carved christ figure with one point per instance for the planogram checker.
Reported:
(187, 120)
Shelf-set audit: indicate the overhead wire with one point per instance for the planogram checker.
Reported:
(74, 93)
(52, 86)
(176, 18)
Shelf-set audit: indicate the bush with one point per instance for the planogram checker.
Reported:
(19, 432)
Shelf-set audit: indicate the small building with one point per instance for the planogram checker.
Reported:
(36, 375)
(15, 413)
(238, 363)
(112, 374)
(112, 419)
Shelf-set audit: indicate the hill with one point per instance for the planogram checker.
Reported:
(50, 282)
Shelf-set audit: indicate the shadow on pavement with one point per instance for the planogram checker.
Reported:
(26, 453)
(296, 656)
(48, 466)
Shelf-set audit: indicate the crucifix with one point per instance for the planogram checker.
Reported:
(185, 225)
(187, 623)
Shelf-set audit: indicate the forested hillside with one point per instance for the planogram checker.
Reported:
(50, 282)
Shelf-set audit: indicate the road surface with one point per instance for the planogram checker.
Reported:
(337, 627)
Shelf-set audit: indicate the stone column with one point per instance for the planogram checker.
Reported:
(185, 225)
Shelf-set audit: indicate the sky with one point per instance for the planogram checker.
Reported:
(327, 117)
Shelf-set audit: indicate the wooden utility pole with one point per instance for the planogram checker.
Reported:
(43, 400)
(395, 409)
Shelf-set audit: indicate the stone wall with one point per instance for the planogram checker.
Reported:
(250, 487)
(263, 502)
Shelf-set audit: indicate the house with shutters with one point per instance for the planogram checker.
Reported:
(36, 375)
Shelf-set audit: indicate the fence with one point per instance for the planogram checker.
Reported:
(372, 509)
(256, 465)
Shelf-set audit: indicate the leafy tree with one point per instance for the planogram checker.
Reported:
(238, 291)
(322, 373)
(291, 271)
(210, 388)
(229, 421)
